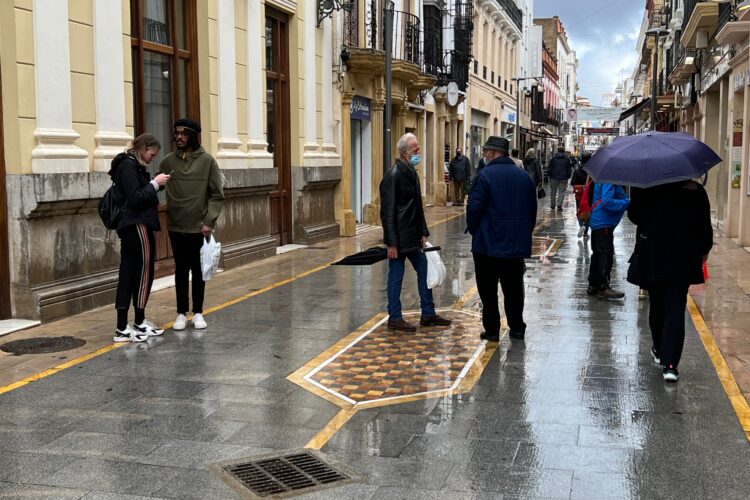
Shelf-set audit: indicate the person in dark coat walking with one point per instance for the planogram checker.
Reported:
(136, 192)
(675, 237)
(405, 234)
(532, 167)
(460, 172)
(501, 216)
(559, 171)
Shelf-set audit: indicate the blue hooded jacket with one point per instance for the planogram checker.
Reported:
(608, 212)
(501, 213)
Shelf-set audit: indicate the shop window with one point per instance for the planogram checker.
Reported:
(165, 78)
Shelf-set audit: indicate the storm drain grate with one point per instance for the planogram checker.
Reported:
(285, 475)
(41, 345)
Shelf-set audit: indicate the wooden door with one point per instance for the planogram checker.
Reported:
(5, 307)
(278, 119)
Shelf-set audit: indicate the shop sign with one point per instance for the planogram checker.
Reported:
(593, 114)
(737, 154)
(601, 131)
(360, 109)
(508, 116)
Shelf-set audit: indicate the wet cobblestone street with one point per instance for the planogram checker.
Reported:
(579, 410)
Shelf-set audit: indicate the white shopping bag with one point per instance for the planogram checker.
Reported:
(435, 268)
(210, 255)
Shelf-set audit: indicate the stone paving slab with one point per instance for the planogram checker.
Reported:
(577, 411)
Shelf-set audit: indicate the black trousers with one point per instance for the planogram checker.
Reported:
(666, 319)
(186, 251)
(137, 256)
(602, 257)
(490, 270)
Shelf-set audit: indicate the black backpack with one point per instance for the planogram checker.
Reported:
(110, 210)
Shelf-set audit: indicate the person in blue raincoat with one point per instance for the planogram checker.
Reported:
(608, 206)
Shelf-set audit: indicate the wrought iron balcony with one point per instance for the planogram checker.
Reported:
(406, 32)
(513, 12)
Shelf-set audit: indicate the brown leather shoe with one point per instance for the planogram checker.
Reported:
(434, 321)
(401, 325)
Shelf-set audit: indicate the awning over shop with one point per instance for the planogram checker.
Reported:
(635, 108)
(543, 132)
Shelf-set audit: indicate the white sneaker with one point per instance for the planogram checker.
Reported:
(198, 322)
(180, 322)
(148, 328)
(129, 335)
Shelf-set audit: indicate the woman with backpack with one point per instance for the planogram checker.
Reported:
(578, 182)
(136, 192)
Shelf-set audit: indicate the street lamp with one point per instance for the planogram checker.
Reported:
(517, 135)
(656, 33)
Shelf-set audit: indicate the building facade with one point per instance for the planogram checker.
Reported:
(259, 77)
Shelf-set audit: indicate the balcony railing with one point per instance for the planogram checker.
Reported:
(406, 32)
(726, 14)
(689, 6)
(513, 12)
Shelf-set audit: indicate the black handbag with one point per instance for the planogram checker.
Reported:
(636, 268)
(110, 211)
(540, 193)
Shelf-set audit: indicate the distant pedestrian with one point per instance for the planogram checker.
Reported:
(501, 216)
(514, 156)
(532, 167)
(608, 207)
(674, 222)
(195, 197)
(137, 193)
(405, 234)
(559, 171)
(578, 182)
(460, 172)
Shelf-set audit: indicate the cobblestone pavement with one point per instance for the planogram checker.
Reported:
(578, 410)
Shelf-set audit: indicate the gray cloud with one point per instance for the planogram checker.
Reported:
(603, 34)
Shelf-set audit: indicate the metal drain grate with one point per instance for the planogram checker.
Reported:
(282, 475)
(41, 345)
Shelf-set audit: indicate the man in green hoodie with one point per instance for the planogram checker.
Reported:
(194, 202)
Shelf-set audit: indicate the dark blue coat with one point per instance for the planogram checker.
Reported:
(501, 213)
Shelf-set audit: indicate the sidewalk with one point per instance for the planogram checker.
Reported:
(578, 410)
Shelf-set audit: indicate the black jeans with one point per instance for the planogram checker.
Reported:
(490, 270)
(186, 251)
(602, 257)
(666, 319)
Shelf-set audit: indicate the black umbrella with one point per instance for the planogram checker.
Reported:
(370, 256)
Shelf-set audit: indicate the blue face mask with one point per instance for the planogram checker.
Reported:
(414, 160)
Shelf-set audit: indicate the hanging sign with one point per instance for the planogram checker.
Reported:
(737, 154)
(360, 109)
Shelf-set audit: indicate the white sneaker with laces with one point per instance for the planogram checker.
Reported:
(180, 322)
(148, 328)
(198, 322)
(129, 335)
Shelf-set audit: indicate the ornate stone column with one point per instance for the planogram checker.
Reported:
(372, 210)
(257, 147)
(348, 221)
(228, 154)
(438, 185)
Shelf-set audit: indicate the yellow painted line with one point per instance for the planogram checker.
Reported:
(327, 432)
(58, 368)
(103, 350)
(739, 403)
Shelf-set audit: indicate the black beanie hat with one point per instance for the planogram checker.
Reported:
(189, 124)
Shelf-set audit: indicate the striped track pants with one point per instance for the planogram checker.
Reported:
(137, 247)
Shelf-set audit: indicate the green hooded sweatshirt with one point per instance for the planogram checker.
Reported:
(195, 195)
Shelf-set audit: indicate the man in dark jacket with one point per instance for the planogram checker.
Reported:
(405, 234)
(459, 171)
(558, 170)
(501, 216)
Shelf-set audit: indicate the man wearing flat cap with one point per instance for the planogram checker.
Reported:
(501, 215)
(194, 203)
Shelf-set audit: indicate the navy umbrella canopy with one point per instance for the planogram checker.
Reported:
(650, 159)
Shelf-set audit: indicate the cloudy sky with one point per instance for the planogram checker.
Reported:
(604, 34)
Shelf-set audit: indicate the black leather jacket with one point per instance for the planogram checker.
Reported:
(401, 209)
(137, 195)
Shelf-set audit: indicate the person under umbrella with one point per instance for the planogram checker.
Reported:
(675, 237)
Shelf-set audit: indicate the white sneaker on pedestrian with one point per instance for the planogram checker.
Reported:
(198, 322)
(180, 323)
(148, 328)
(129, 335)
(581, 231)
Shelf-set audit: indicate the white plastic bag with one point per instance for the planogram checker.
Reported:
(210, 255)
(435, 268)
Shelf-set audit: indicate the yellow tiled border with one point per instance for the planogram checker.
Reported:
(739, 403)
